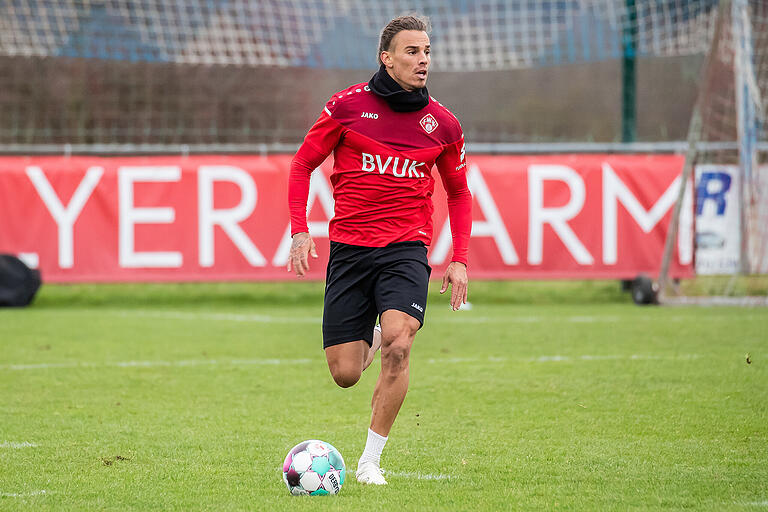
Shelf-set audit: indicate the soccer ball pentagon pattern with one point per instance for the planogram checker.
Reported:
(314, 468)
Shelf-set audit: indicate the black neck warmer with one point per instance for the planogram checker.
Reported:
(398, 98)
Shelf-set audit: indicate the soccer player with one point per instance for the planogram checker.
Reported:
(386, 137)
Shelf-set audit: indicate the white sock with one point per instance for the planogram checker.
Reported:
(373, 448)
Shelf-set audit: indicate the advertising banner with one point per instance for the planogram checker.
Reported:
(718, 223)
(213, 217)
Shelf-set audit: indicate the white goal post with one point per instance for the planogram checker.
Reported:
(728, 153)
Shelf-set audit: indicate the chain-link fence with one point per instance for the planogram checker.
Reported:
(248, 72)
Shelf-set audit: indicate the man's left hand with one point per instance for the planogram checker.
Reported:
(456, 276)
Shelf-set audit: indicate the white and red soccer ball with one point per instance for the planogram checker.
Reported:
(314, 468)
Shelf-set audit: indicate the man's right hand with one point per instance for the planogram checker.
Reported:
(301, 247)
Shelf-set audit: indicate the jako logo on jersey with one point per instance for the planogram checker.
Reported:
(429, 123)
(414, 305)
(369, 115)
(372, 162)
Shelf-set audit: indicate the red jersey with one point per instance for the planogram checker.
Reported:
(382, 172)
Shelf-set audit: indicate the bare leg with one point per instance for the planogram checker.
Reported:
(346, 361)
(398, 332)
(343, 359)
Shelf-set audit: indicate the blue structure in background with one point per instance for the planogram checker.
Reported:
(347, 46)
(106, 36)
(525, 32)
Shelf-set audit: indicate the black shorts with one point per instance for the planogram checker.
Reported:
(363, 282)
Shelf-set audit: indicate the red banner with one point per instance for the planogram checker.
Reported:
(207, 218)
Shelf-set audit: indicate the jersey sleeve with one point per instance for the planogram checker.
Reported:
(452, 166)
(319, 142)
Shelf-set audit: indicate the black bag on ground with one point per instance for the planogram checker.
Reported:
(18, 282)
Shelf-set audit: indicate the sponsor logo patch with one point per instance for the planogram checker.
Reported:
(429, 123)
(391, 165)
(369, 115)
(414, 305)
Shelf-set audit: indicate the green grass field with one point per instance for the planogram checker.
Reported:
(542, 396)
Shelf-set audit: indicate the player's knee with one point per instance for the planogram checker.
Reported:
(346, 380)
(345, 362)
(345, 376)
(394, 357)
(402, 333)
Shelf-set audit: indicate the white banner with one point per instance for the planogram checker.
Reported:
(718, 223)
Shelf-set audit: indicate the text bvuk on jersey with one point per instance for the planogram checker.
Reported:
(392, 165)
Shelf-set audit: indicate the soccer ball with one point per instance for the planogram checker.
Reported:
(314, 468)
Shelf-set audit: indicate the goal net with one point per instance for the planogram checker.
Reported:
(728, 163)
(208, 72)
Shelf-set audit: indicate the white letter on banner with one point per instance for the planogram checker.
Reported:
(615, 191)
(129, 216)
(65, 217)
(556, 217)
(228, 219)
(493, 226)
(320, 189)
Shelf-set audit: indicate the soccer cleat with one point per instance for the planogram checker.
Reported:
(370, 473)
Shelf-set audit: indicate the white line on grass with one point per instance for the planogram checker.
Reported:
(592, 319)
(528, 319)
(465, 318)
(419, 475)
(289, 362)
(42, 366)
(24, 494)
(271, 319)
(633, 357)
(763, 503)
(151, 364)
(560, 358)
(226, 317)
(16, 445)
(454, 360)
